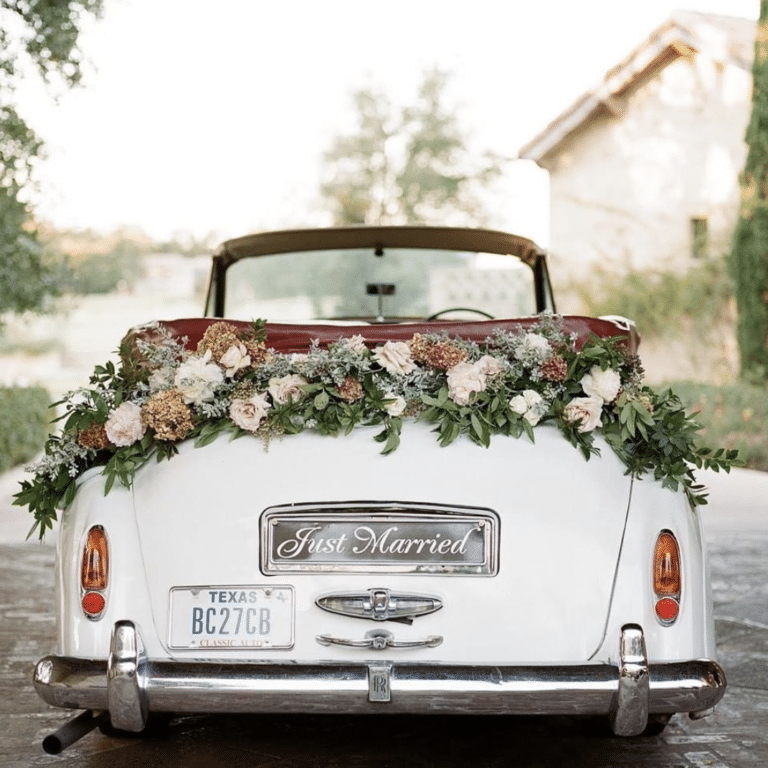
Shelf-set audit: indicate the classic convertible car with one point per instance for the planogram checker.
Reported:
(443, 498)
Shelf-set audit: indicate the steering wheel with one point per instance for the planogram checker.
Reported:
(459, 309)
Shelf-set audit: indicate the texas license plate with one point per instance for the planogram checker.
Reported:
(231, 618)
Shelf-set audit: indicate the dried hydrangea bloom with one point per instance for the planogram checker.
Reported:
(218, 338)
(554, 369)
(168, 415)
(94, 437)
(257, 351)
(350, 390)
(438, 353)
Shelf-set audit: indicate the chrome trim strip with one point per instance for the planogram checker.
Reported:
(172, 686)
(380, 640)
(125, 695)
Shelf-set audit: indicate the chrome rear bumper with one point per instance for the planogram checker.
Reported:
(130, 686)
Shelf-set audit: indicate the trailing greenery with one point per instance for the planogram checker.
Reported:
(749, 255)
(662, 303)
(25, 418)
(734, 416)
(507, 385)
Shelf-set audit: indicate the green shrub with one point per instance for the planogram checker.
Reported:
(24, 424)
(660, 302)
(732, 416)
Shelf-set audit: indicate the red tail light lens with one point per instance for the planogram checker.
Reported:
(667, 577)
(94, 571)
(93, 603)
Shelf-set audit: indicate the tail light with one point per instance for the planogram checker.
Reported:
(667, 578)
(94, 572)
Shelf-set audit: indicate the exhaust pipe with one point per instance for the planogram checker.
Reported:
(75, 729)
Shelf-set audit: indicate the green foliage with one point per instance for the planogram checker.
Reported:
(733, 416)
(749, 254)
(24, 420)
(42, 35)
(504, 386)
(408, 165)
(105, 272)
(662, 303)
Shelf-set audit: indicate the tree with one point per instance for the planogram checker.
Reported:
(41, 35)
(749, 253)
(408, 165)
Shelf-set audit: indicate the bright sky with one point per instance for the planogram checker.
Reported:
(208, 117)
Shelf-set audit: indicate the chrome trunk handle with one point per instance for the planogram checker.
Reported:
(379, 639)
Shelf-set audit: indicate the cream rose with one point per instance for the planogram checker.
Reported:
(397, 406)
(124, 425)
(287, 388)
(603, 384)
(464, 379)
(586, 411)
(198, 378)
(249, 413)
(490, 365)
(235, 359)
(395, 357)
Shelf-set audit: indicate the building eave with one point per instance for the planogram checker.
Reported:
(665, 45)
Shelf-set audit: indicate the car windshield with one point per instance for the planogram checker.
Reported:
(359, 283)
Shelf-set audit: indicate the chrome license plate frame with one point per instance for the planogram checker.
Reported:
(231, 618)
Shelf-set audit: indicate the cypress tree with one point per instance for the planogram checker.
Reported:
(749, 253)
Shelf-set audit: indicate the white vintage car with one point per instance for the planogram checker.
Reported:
(426, 509)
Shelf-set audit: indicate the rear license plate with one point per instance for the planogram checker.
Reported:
(231, 618)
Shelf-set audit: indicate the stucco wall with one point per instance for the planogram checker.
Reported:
(623, 189)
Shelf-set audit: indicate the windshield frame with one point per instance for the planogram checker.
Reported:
(377, 238)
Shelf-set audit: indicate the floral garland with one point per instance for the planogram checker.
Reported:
(163, 393)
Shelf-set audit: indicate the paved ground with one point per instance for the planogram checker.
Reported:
(734, 737)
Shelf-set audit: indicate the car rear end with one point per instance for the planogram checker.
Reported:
(316, 575)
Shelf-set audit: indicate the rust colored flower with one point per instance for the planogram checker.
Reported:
(441, 354)
(94, 437)
(350, 390)
(167, 413)
(554, 369)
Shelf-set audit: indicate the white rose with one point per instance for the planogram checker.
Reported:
(490, 365)
(198, 378)
(298, 357)
(586, 410)
(162, 378)
(356, 343)
(603, 384)
(287, 388)
(234, 359)
(395, 357)
(248, 414)
(124, 426)
(530, 405)
(464, 379)
(533, 345)
(397, 406)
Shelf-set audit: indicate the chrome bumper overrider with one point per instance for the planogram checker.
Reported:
(130, 685)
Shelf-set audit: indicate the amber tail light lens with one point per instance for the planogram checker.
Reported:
(667, 577)
(94, 571)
